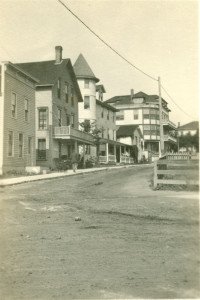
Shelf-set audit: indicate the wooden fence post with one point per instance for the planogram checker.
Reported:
(155, 178)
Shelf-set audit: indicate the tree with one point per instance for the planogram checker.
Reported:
(189, 141)
(90, 127)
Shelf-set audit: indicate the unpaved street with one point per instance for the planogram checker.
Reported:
(128, 241)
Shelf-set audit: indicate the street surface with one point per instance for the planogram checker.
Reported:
(103, 235)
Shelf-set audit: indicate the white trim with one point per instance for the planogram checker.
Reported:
(3, 69)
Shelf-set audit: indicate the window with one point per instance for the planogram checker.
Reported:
(120, 115)
(108, 115)
(108, 135)
(42, 117)
(86, 102)
(86, 83)
(66, 92)
(114, 137)
(26, 109)
(72, 120)
(102, 113)
(20, 144)
(59, 87)
(146, 113)
(29, 145)
(102, 132)
(87, 149)
(41, 154)
(113, 117)
(147, 130)
(10, 143)
(68, 120)
(59, 117)
(59, 149)
(13, 105)
(72, 95)
(135, 114)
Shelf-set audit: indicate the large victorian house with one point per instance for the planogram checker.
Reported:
(57, 98)
(101, 115)
(143, 110)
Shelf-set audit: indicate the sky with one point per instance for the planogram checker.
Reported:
(159, 37)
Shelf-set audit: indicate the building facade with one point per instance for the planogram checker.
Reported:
(17, 118)
(100, 114)
(57, 98)
(143, 110)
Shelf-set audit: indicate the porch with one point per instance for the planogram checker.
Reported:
(115, 152)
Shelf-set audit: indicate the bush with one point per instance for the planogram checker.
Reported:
(62, 164)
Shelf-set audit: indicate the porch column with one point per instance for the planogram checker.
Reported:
(120, 153)
(84, 155)
(76, 147)
(129, 152)
(115, 153)
(107, 152)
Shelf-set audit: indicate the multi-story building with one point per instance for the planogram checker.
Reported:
(57, 98)
(100, 114)
(17, 118)
(143, 110)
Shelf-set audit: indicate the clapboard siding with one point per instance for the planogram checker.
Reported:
(24, 89)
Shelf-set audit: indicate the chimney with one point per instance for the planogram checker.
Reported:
(132, 93)
(58, 58)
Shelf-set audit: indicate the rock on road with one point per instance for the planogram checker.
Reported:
(103, 235)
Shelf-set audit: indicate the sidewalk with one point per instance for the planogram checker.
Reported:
(18, 180)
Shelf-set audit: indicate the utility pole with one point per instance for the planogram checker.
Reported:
(161, 144)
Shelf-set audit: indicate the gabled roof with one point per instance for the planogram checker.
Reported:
(127, 130)
(47, 72)
(29, 76)
(103, 104)
(83, 70)
(190, 126)
(126, 99)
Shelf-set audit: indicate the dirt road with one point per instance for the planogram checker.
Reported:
(128, 241)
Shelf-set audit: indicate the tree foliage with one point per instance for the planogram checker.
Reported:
(189, 141)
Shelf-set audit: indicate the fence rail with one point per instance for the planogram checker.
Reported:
(176, 172)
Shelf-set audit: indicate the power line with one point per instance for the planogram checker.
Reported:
(176, 103)
(105, 43)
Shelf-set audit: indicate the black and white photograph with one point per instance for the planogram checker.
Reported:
(99, 149)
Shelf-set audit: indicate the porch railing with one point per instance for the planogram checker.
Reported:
(126, 160)
(70, 132)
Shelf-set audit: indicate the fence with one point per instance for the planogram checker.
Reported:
(176, 172)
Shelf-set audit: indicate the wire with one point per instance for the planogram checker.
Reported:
(105, 43)
(176, 103)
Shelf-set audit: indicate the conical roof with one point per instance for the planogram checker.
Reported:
(83, 70)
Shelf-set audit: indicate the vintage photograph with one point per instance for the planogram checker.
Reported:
(99, 149)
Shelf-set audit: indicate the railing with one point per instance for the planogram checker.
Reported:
(126, 160)
(168, 137)
(168, 122)
(102, 159)
(70, 132)
(178, 156)
(176, 172)
(111, 158)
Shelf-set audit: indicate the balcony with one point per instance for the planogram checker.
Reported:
(68, 132)
(169, 124)
(169, 138)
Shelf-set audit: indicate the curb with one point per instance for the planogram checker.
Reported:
(19, 180)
